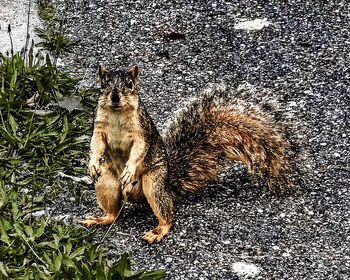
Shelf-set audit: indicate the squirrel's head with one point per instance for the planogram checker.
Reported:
(118, 88)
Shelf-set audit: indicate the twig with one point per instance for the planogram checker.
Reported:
(27, 35)
(9, 31)
(30, 247)
(122, 233)
(84, 179)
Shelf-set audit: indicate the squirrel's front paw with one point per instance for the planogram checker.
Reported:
(94, 169)
(126, 176)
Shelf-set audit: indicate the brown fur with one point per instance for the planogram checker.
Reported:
(209, 133)
(123, 133)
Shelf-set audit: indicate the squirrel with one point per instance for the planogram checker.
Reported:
(209, 133)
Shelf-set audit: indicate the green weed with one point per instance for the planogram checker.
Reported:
(42, 249)
(53, 39)
(39, 141)
(47, 11)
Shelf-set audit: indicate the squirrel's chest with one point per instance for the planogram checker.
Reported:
(121, 131)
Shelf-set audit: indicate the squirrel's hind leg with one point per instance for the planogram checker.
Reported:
(109, 198)
(161, 202)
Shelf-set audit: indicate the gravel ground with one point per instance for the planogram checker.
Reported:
(236, 229)
(15, 13)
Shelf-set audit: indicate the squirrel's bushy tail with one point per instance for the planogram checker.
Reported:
(224, 126)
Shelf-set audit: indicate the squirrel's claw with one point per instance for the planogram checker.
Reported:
(94, 170)
(125, 178)
(150, 237)
(156, 234)
(89, 221)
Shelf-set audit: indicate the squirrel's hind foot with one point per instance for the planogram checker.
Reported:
(156, 234)
(89, 221)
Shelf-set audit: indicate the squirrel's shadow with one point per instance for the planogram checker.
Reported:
(235, 184)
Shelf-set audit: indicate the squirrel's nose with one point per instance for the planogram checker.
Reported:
(115, 98)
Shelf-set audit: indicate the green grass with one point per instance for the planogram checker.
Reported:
(41, 249)
(47, 11)
(53, 39)
(39, 138)
(36, 144)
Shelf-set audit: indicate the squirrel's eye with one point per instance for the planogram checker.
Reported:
(129, 84)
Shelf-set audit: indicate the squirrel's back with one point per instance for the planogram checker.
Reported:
(223, 126)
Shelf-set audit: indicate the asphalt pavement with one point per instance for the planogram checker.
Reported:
(296, 50)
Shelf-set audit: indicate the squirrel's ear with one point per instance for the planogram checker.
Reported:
(102, 75)
(134, 72)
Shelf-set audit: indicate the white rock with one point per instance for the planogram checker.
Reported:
(309, 92)
(62, 217)
(256, 24)
(245, 270)
(25, 190)
(38, 213)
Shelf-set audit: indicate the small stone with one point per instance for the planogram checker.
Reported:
(309, 92)
(243, 269)
(311, 213)
(25, 190)
(38, 213)
(256, 24)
